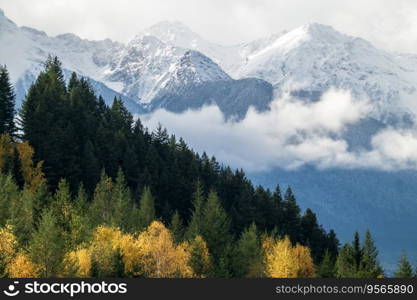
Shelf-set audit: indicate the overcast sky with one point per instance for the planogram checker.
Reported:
(391, 24)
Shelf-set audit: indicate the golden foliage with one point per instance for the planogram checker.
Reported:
(21, 267)
(158, 255)
(285, 261)
(8, 243)
(305, 265)
(103, 247)
(129, 248)
(32, 174)
(153, 253)
(81, 259)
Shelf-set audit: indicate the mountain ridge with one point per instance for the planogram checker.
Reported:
(305, 62)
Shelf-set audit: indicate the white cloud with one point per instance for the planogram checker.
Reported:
(394, 149)
(291, 134)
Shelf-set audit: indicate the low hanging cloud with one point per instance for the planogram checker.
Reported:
(291, 134)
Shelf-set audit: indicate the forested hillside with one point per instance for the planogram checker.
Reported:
(86, 190)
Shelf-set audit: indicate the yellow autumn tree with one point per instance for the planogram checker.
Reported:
(129, 248)
(78, 261)
(14, 264)
(283, 260)
(22, 267)
(304, 261)
(107, 243)
(103, 250)
(32, 173)
(8, 247)
(159, 257)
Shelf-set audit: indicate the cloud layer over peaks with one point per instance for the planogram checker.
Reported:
(291, 134)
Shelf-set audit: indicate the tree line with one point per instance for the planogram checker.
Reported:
(79, 178)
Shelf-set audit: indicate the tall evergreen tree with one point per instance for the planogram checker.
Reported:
(177, 227)
(200, 259)
(100, 214)
(80, 226)
(62, 206)
(7, 104)
(146, 209)
(369, 266)
(357, 250)
(122, 204)
(313, 235)
(16, 168)
(9, 197)
(90, 166)
(195, 224)
(248, 254)
(346, 263)
(404, 268)
(46, 247)
(43, 119)
(22, 215)
(326, 269)
(215, 229)
(292, 217)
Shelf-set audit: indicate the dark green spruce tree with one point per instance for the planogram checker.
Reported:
(44, 122)
(7, 104)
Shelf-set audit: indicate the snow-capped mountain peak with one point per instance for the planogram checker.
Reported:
(305, 61)
(6, 23)
(192, 68)
(313, 58)
(321, 32)
(174, 33)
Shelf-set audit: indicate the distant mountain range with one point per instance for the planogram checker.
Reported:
(166, 65)
(169, 66)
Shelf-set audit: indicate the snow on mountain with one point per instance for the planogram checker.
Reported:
(306, 62)
(24, 51)
(192, 67)
(309, 60)
(313, 58)
(140, 66)
(138, 70)
(177, 34)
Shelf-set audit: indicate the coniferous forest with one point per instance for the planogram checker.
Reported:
(87, 191)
